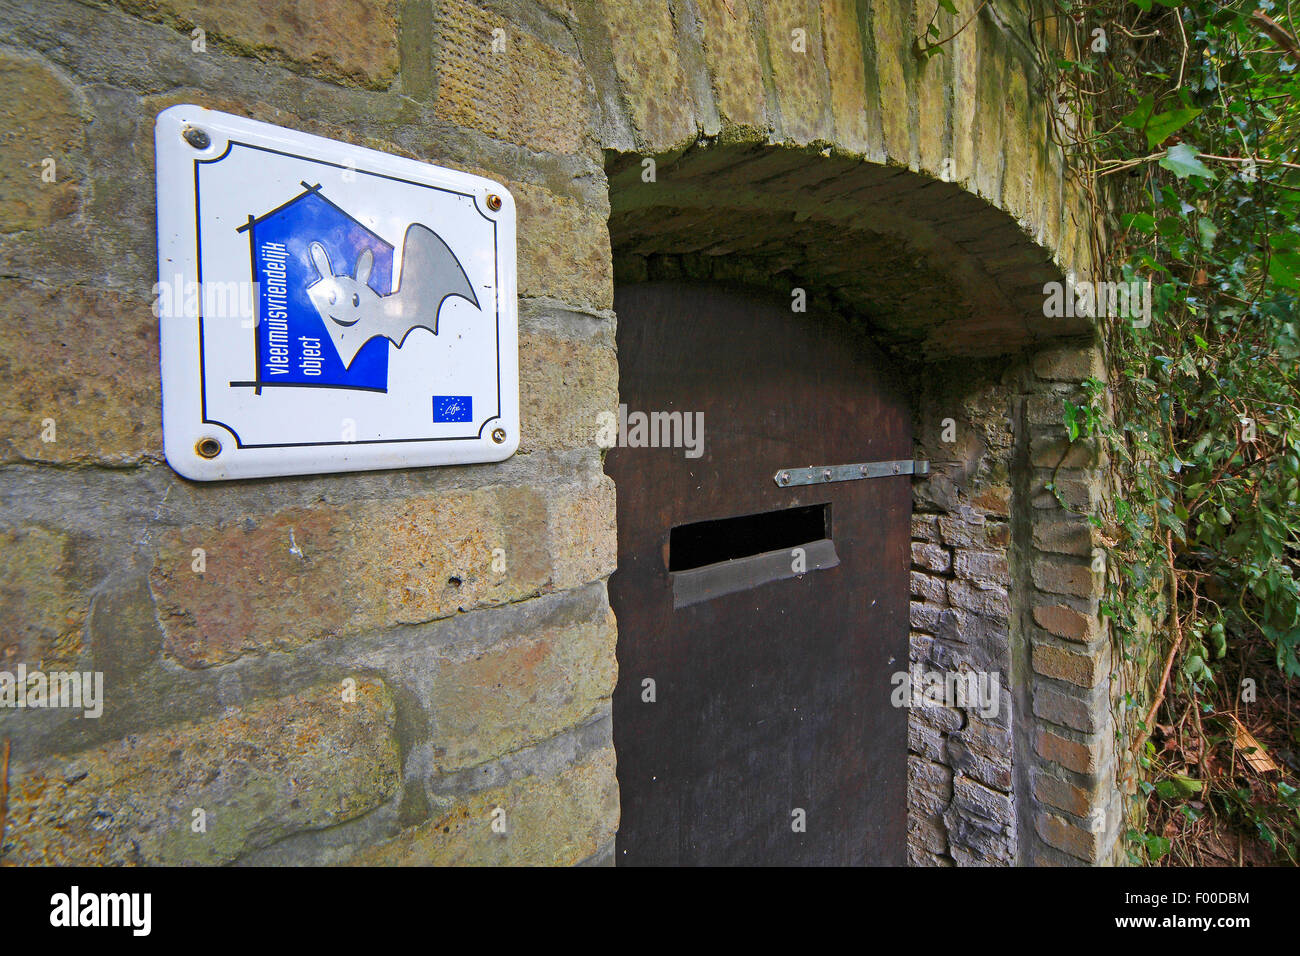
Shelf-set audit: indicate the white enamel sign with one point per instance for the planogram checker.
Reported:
(325, 307)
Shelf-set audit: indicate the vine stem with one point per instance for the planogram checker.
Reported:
(938, 43)
(1248, 159)
(1178, 640)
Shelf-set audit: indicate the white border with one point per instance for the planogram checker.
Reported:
(179, 352)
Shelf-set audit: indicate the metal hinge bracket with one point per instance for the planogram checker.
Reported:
(822, 474)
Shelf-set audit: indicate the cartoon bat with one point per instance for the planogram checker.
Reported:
(354, 313)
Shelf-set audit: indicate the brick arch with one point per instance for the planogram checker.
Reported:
(928, 269)
(952, 159)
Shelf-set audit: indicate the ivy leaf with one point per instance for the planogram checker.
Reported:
(1140, 116)
(1163, 125)
(1157, 846)
(1279, 273)
(1182, 161)
(949, 6)
(1141, 221)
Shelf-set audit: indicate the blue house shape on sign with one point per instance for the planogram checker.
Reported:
(292, 346)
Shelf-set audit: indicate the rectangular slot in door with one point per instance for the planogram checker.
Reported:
(726, 539)
(707, 559)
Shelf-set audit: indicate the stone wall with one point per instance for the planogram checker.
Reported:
(1007, 577)
(353, 674)
(961, 805)
(336, 668)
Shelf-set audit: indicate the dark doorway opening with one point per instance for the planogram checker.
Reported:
(753, 722)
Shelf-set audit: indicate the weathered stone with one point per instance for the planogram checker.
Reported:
(929, 588)
(931, 557)
(976, 839)
(335, 39)
(955, 651)
(989, 107)
(1017, 179)
(981, 565)
(929, 786)
(563, 249)
(963, 52)
(926, 831)
(1063, 795)
(977, 798)
(994, 501)
(843, 40)
(733, 62)
(1064, 537)
(653, 79)
(520, 691)
(962, 531)
(1077, 713)
(1056, 577)
(1066, 622)
(932, 95)
(936, 493)
(1048, 409)
(43, 601)
(564, 385)
(1051, 451)
(944, 719)
(298, 575)
(1081, 495)
(925, 617)
(926, 741)
(1069, 364)
(986, 599)
(1064, 835)
(555, 819)
(276, 767)
(992, 772)
(892, 43)
(985, 738)
(42, 129)
(925, 528)
(965, 627)
(1085, 670)
(1070, 754)
(917, 856)
(85, 361)
(799, 68)
(508, 84)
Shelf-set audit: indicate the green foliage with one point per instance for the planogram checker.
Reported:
(1189, 125)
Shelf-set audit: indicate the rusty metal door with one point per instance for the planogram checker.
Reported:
(752, 716)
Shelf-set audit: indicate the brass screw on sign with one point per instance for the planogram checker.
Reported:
(208, 448)
(196, 137)
(499, 435)
(494, 202)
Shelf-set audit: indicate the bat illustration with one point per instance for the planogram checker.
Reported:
(354, 313)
